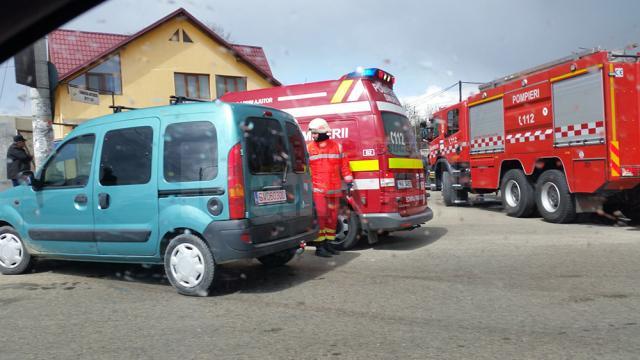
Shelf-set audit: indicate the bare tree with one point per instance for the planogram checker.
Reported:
(220, 31)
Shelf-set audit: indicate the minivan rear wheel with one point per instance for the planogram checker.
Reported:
(189, 265)
(14, 257)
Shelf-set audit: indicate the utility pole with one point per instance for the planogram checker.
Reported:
(41, 106)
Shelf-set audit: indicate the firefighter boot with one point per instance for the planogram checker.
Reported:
(330, 248)
(322, 251)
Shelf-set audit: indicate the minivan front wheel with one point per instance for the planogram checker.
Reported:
(189, 265)
(14, 257)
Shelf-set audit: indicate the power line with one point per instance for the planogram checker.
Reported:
(427, 97)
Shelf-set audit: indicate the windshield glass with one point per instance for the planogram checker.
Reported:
(401, 140)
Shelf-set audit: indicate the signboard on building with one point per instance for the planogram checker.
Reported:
(85, 96)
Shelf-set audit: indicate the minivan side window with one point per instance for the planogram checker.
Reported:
(190, 152)
(266, 149)
(71, 164)
(296, 140)
(126, 156)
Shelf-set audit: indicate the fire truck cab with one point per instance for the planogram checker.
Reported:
(559, 139)
(366, 117)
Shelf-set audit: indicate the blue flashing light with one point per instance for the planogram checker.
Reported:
(369, 72)
(373, 73)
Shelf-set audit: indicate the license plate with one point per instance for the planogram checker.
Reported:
(270, 197)
(404, 184)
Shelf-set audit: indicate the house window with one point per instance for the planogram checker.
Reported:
(186, 38)
(104, 78)
(175, 36)
(227, 84)
(192, 85)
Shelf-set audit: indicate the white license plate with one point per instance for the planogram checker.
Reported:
(404, 184)
(270, 197)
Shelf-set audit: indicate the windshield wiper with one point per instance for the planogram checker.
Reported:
(284, 174)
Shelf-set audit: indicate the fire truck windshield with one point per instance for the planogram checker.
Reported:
(401, 139)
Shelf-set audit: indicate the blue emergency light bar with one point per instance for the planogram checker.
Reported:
(373, 73)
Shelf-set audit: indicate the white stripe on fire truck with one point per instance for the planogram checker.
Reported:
(367, 184)
(340, 108)
(302, 96)
(356, 92)
(387, 106)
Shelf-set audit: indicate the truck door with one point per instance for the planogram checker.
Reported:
(126, 192)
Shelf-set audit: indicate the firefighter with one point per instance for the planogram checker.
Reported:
(329, 166)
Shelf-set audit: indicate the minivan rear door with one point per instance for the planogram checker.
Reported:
(273, 195)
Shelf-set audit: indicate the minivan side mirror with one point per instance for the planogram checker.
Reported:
(29, 178)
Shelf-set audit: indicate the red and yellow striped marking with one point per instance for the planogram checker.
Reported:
(614, 156)
(342, 91)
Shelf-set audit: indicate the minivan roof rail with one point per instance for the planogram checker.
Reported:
(119, 108)
(175, 100)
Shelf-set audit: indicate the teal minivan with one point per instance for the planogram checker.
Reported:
(190, 186)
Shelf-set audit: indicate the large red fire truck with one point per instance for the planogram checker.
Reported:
(367, 119)
(562, 138)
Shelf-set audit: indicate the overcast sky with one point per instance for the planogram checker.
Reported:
(427, 45)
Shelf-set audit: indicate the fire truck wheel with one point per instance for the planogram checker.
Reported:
(518, 198)
(347, 231)
(555, 203)
(448, 194)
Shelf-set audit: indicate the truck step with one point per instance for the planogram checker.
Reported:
(460, 202)
(457, 186)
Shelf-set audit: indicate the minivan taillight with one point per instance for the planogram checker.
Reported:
(235, 183)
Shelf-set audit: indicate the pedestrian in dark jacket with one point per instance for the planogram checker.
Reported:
(18, 159)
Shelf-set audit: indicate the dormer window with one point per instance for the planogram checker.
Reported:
(180, 34)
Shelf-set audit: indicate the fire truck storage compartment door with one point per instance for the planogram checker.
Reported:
(486, 123)
(578, 110)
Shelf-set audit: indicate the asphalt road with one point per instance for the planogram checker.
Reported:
(472, 284)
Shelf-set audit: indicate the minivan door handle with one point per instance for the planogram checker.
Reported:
(103, 200)
(81, 199)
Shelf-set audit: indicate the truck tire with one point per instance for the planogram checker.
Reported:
(518, 197)
(347, 230)
(14, 257)
(553, 199)
(448, 194)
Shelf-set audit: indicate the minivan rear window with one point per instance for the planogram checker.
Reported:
(296, 141)
(190, 152)
(266, 146)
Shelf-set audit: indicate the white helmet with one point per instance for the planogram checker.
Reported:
(319, 125)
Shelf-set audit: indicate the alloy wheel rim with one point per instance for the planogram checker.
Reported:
(187, 265)
(512, 193)
(550, 197)
(342, 229)
(11, 251)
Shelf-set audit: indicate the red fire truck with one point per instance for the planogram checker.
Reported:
(562, 138)
(366, 118)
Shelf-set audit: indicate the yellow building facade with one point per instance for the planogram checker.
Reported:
(175, 56)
